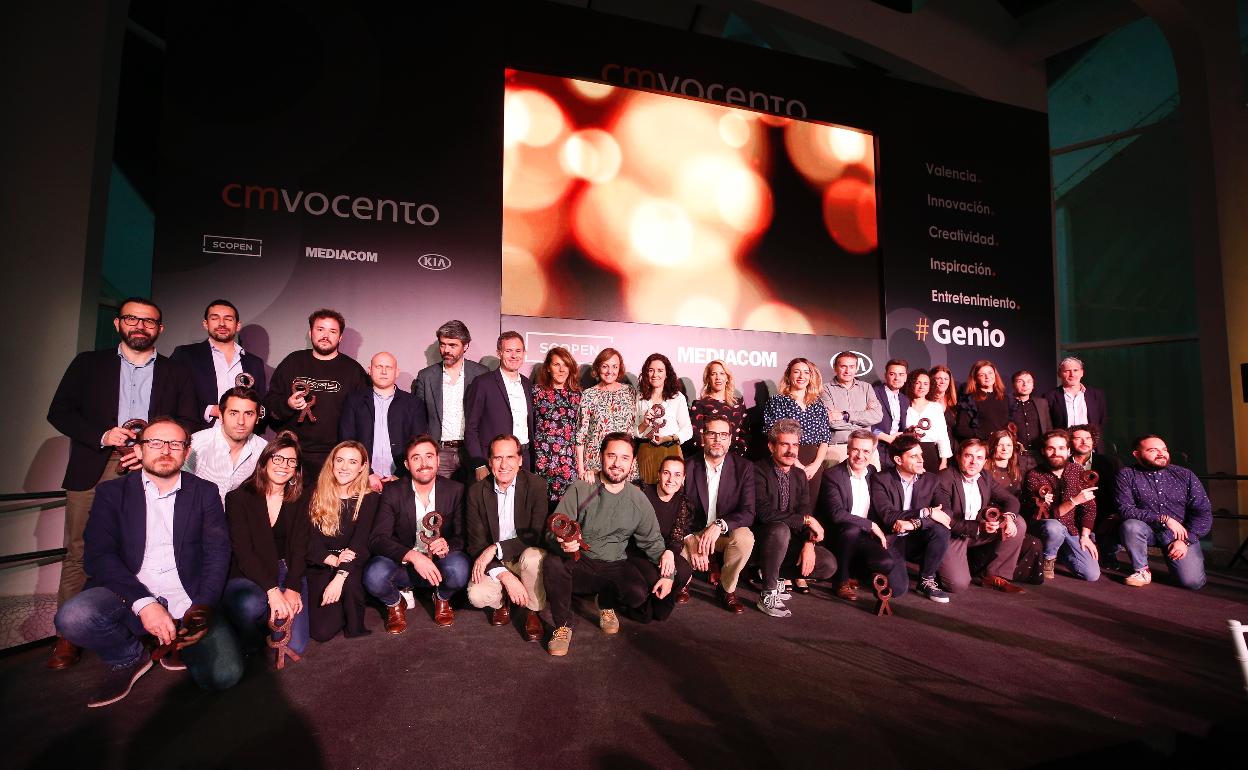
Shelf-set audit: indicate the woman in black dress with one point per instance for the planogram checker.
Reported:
(341, 510)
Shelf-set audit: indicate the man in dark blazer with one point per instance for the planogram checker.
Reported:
(91, 408)
(499, 402)
(788, 539)
(901, 502)
(1074, 396)
(405, 418)
(894, 402)
(217, 362)
(405, 552)
(442, 388)
(506, 514)
(965, 492)
(722, 520)
(844, 509)
(158, 550)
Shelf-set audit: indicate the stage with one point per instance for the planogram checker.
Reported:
(1129, 677)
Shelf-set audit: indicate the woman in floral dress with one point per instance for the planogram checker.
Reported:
(556, 400)
(607, 407)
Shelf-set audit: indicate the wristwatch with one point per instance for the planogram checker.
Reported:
(344, 573)
(723, 525)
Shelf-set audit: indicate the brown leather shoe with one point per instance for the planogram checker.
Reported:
(848, 591)
(64, 654)
(501, 616)
(533, 627)
(1001, 584)
(396, 618)
(443, 615)
(730, 602)
(682, 596)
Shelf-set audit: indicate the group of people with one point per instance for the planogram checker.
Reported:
(194, 541)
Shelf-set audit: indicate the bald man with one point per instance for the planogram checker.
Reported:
(383, 418)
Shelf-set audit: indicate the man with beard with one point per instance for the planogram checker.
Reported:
(1083, 441)
(401, 556)
(719, 487)
(788, 538)
(611, 514)
(226, 454)
(101, 391)
(1030, 415)
(158, 550)
(1071, 502)
(328, 376)
(217, 362)
(1166, 506)
(383, 418)
(965, 493)
(499, 402)
(894, 404)
(443, 389)
(901, 501)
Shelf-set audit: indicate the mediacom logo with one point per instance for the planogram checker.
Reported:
(350, 255)
(225, 244)
(583, 347)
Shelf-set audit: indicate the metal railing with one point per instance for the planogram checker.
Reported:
(50, 553)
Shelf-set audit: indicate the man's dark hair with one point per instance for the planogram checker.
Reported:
(423, 438)
(327, 313)
(455, 330)
(1135, 443)
(504, 437)
(1095, 431)
(615, 436)
(897, 362)
(509, 335)
(223, 303)
(141, 301)
(1056, 433)
(902, 444)
(249, 394)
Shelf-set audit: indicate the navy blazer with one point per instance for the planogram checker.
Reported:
(530, 509)
(1094, 398)
(887, 421)
(427, 387)
(950, 497)
(396, 527)
(888, 498)
(405, 418)
(116, 535)
(735, 501)
(197, 357)
(84, 408)
(487, 413)
(836, 498)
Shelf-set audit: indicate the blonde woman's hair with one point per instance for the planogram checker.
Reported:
(326, 502)
(730, 387)
(812, 389)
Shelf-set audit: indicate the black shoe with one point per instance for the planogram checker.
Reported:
(119, 681)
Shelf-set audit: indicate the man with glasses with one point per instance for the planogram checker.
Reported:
(218, 362)
(719, 486)
(98, 405)
(158, 550)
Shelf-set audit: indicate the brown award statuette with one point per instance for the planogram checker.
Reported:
(920, 428)
(1092, 477)
(300, 386)
(883, 592)
(432, 521)
(566, 529)
(1042, 506)
(281, 645)
(992, 515)
(137, 426)
(194, 623)
(244, 380)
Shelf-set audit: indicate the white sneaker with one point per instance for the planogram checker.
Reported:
(1140, 577)
(769, 603)
(409, 597)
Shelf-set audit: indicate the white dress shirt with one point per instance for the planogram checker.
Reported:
(713, 474)
(421, 510)
(210, 459)
(519, 407)
(1076, 408)
(225, 372)
(861, 495)
(452, 407)
(894, 408)
(970, 491)
(506, 521)
(159, 570)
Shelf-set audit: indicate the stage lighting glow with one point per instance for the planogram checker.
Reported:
(590, 90)
(810, 148)
(657, 134)
(592, 154)
(849, 214)
(533, 178)
(846, 145)
(734, 129)
(743, 201)
(661, 233)
(526, 284)
(601, 229)
(701, 310)
(777, 316)
(538, 119)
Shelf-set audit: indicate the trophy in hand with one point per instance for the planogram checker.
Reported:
(1040, 498)
(431, 522)
(244, 380)
(137, 426)
(566, 529)
(656, 419)
(301, 387)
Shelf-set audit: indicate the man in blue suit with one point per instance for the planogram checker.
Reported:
(894, 402)
(217, 362)
(157, 549)
(383, 418)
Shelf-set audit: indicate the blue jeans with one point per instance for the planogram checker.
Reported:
(384, 579)
(102, 622)
(1138, 535)
(1061, 545)
(247, 606)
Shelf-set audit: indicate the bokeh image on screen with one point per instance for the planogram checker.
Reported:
(629, 205)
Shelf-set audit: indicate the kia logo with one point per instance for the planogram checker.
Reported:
(865, 364)
(434, 261)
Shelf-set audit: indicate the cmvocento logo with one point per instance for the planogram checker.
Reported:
(348, 255)
(865, 364)
(434, 261)
(226, 244)
(318, 204)
(583, 347)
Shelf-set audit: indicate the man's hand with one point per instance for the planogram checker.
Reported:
(294, 600)
(482, 562)
(707, 539)
(662, 587)
(1087, 495)
(1086, 543)
(482, 472)
(667, 564)
(374, 482)
(333, 591)
(1048, 498)
(297, 401)
(158, 622)
(279, 608)
(902, 525)
(1011, 529)
(424, 567)
(939, 516)
(806, 559)
(439, 548)
(214, 412)
(701, 562)
(514, 588)
(346, 556)
(331, 560)
(185, 637)
(130, 460)
(568, 546)
(879, 535)
(991, 527)
(1177, 549)
(1177, 528)
(816, 529)
(118, 436)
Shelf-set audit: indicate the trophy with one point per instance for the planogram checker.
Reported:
(282, 626)
(194, 622)
(920, 428)
(565, 528)
(244, 380)
(301, 387)
(137, 426)
(1042, 506)
(883, 592)
(431, 521)
(1092, 477)
(655, 417)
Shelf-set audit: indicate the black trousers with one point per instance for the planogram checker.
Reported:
(616, 583)
(346, 614)
(654, 608)
(927, 547)
(776, 550)
(858, 551)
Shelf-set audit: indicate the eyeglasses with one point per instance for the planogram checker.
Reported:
(134, 320)
(716, 434)
(289, 462)
(159, 444)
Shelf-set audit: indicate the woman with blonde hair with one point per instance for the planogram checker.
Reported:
(341, 510)
(798, 399)
(719, 401)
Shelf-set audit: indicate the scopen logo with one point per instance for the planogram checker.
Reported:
(434, 261)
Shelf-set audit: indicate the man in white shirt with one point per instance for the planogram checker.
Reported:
(1075, 403)
(893, 403)
(442, 388)
(499, 402)
(844, 508)
(226, 453)
(851, 404)
(719, 487)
